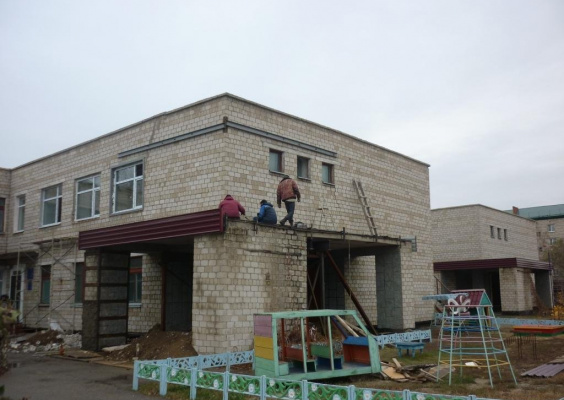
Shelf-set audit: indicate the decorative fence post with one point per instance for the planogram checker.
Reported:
(226, 385)
(135, 375)
(305, 393)
(406, 395)
(262, 385)
(351, 392)
(162, 379)
(193, 381)
(472, 397)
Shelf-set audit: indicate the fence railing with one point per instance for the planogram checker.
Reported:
(521, 321)
(174, 371)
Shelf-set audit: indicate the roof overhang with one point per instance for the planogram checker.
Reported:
(162, 230)
(492, 263)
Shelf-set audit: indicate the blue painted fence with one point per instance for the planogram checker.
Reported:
(190, 372)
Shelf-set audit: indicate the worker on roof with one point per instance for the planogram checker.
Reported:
(231, 207)
(267, 214)
(288, 193)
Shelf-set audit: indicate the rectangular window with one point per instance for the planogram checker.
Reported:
(79, 276)
(499, 233)
(552, 241)
(45, 284)
(275, 161)
(20, 221)
(135, 279)
(88, 197)
(303, 167)
(551, 227)
(492, 231)
(2, 212)
(505, 234)
(327, 173)
(128, 188)
(51, 205)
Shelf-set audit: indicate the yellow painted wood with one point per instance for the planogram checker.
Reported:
(264, 352)
(266, 342)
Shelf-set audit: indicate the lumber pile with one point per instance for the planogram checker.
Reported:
(414, 373)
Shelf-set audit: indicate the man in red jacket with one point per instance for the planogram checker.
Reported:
(288, 193)
(231, 207)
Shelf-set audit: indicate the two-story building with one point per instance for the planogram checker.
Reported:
(478, 247)
(123, 232)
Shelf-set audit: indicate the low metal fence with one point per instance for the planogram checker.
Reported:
(191, 372)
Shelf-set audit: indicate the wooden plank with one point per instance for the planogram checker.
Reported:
(264, 342)
(346, 326)
(264, 353)
(263, 320)
(264, 331)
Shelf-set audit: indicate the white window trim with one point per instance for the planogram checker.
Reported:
(19, 207)
(551, 228)
(94, 190)
(58, 197)
(135, 179)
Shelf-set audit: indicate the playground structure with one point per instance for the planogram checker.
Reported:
(470, 335)
(286, 345)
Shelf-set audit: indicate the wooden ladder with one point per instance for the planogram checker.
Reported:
(365, 207)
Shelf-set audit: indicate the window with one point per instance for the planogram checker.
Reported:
(551, 227)
(135, 279)
(45, 284)
(20, 203)
(79, 276)
(128, 188)
(327, 173)
(2, 209)
(492, 231)
(303, 167)
(275, 161)
(505, 234)
(88, 197)
(51, 203)
(499, 233)
(552, 241)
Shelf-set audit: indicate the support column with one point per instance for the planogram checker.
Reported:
(105, 306)
(543, 283)
(394, 298)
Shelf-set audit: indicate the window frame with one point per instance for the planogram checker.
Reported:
(550, 228)
(19, 223)
(45, 276)
(2, 215)
(552, 241)
(331, 171)
(280, 165)
(307, 161)
(505, 237)
(135, 273)
(135, 181)
(492, 231)
(499, 233)
(95, 190)
(58, 201)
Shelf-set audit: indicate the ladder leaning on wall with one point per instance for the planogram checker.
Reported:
(365, 207)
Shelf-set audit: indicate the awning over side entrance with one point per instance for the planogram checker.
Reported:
(491, 263)
(197, 223)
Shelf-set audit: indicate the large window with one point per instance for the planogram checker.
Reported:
(551, 227)
(20, 213)
(135, 279)
(45, 284)
(79, 275)
(51, 204)
(88, 197)
(303, 167)
(327, 173)
(2, 211)
(275, 161)
(128, 188)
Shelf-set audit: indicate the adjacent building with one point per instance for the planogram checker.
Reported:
(478, 247)
(122, 232)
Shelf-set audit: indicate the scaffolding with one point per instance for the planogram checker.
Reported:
(470, 336)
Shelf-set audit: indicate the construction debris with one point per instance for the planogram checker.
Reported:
(44, 341)
(412, 373)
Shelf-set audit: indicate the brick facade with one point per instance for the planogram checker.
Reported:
(195, 174)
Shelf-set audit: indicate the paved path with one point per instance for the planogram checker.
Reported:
(49, 378)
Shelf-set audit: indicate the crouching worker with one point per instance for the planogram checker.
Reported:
(266, 214)
(231, 207)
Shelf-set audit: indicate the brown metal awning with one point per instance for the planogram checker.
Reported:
(492, 263)
(197, 223)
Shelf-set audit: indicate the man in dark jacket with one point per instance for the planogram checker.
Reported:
(231, 207)
(267, 214)
(288, 193)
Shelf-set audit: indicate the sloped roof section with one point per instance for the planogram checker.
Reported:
(543, 212)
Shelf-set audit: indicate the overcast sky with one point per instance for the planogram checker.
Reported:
(474, 88)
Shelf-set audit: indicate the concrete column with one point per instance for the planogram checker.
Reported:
(394, 294)
(105, 306)
(543, 283)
